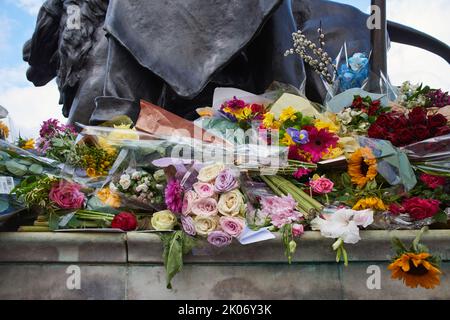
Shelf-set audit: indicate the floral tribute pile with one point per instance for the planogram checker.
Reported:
(365, 164)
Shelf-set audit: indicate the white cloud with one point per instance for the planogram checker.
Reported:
(29, 106)
(409, 63)
(6, 26)
(30, 6)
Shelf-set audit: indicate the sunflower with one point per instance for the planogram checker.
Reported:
(415, 270)
(370, 203)
(362, 167)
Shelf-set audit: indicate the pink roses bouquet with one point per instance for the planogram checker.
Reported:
(214, 208)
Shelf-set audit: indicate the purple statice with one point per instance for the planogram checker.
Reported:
(174, 196)
(438, 98)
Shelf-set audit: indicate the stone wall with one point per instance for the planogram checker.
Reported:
(129, 266)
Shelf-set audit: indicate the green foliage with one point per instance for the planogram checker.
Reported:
(176, 245)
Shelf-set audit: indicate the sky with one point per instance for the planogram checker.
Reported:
(29, 106)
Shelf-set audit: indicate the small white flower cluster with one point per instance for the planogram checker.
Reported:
(346, 117)
(313, 54)
(141, 186)
(409, 96)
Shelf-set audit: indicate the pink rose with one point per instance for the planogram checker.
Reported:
(205, 207)
(204, 190)
(433, 182)
(225, 182)
(219, 239)
(232, 226)
(188, 225)
(188, 200)
(67, 195)
(322, 185)
(297, 230)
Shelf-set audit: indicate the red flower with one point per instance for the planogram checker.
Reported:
(125, 221)
(431, 181)
(420, 209)
(358, 103)
(437, 120)
(376, 131)
(396, 209)
(397, 121)
(405, 136)
(418, 116)
(319, 142)
(442, 131)
(295, 153)
(373, 110)
(422, 132)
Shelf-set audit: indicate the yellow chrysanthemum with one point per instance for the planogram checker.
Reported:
(28, 144)
(287, 141)
(415, 270)
(244, 113)
(105, 145)
(269, 121)
(288, 114)
(333, 153)
(4, 130)
(123, 132)
(370, 203)
(362, 167)
(106, 196)
(329, 125)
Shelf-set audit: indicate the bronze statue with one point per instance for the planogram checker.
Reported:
(175, 55)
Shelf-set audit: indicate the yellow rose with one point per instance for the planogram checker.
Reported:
(210, 173)
(204, 225)
(123, 132)
(163, 220)
(231, 203)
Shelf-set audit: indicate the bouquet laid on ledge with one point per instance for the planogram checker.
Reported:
(273, 164)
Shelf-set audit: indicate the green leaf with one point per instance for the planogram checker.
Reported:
(175, 245)
(36, 169)
(25, 162)
(15, 168)
(398, 246)
(346, 179)
(441, 217)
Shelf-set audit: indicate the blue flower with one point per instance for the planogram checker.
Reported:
(300, 137)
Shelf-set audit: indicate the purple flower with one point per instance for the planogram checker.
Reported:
(235, 104)
(188, 225)
(225, 182)
(174, 196)
(49, 128)
(301, 172)
(219, 239)
(300, 137)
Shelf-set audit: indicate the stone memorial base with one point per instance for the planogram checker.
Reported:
(129, 266)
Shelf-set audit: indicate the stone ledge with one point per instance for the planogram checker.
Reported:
(59, 247)
(147, 248)
(375, 246)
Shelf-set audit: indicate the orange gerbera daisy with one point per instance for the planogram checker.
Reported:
(362, 167)
(415, 270)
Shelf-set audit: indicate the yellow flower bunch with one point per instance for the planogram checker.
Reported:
(327, 122)
(287, 141)
(370, 203)
(109, 198)
(243, 114)
(332, 153)
(123, 132)
(269, 121)
(288, 114)
(4, 130)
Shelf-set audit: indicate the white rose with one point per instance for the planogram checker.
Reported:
(209, 173)
(204, 225)
(142, 188)
(125, 181)
(136, 175)
(163, 220)
(231, 203)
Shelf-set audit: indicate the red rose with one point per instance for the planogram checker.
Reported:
(437, 120)
(431, 181)
(394, 138)
(418, 116)
(396, 209)
(376, 131)
(358, 103)
(420, 209)
(405, 136)
(125, 221)
(376, 103)
(442, 131)
(422, 132)
(398, 121)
